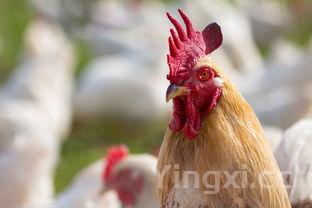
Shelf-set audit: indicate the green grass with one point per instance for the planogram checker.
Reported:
(301, 33)
(14, 16)
(83, 56)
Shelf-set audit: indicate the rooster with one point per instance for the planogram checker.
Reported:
(213, 133)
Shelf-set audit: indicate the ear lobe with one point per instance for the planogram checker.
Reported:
(212, 36)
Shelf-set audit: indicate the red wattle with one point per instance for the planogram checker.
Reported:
(188, 116)
(178, 119)
(127, 198)
(176, 124)
(193, 121)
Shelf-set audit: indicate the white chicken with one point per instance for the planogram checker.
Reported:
(127, 26)
(109, 26)
(34, 116)
(126, 87)
(126, 83)
(133, 177)
(269, 19)
(294, 158)
(282, 95)
(45, 76)
(84, 192)
(119, 179)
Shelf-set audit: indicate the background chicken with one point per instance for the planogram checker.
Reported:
(139, 98)
(226, 135)
(84, 191)
(293, 156)
(133, 177)
(118, 179)
(279, 98)
(35, 115)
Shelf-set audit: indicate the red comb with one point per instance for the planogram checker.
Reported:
(114, 155)
(186, 47)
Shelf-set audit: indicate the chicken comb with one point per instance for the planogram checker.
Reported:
(187, 46)
(114, 155)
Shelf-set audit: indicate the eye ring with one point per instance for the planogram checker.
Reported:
(203, 75)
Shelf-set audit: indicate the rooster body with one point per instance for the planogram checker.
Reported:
(213, 135)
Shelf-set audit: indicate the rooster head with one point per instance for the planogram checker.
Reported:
(195, 85)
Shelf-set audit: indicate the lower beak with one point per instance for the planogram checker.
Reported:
(175, 91)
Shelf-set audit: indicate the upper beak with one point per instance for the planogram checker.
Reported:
(174, 91)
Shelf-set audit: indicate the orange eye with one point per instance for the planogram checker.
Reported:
(204, 75)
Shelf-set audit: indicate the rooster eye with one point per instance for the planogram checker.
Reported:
(203, 75)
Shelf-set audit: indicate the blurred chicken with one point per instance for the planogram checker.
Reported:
(269, 19)
(293, 156)
(34, 115)
(125, 26)
(130, 35)
(126, 87)
(44, 79)
(119, 179)
(109, 26)
(85, 188)
(133, 177)
(282, 95)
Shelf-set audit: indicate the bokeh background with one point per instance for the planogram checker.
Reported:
(98, 69)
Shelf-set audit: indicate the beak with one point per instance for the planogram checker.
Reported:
(175, 91)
